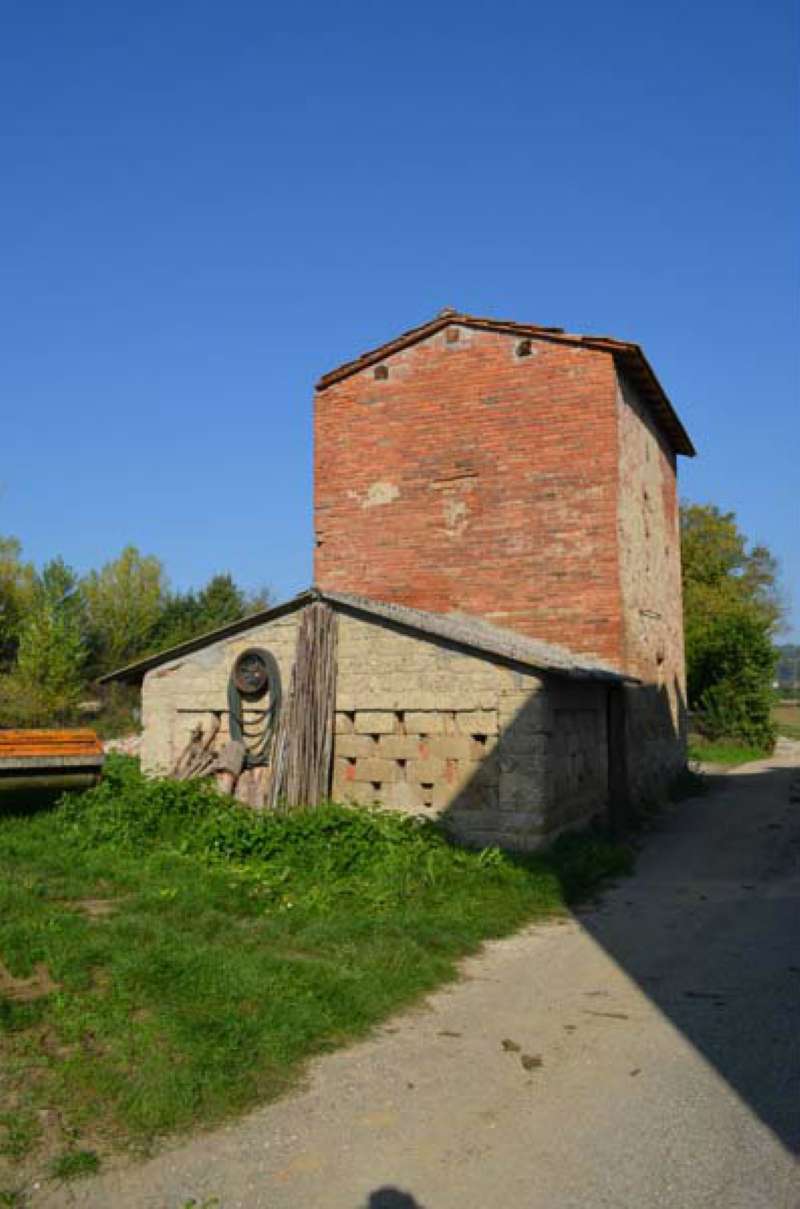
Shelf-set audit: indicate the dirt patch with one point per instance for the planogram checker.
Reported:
(23, 990)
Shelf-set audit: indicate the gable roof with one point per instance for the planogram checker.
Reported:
(469, 633)
(629, 357)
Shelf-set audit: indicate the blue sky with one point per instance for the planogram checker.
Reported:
(205, 206)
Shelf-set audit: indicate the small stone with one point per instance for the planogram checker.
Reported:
(510, 1046)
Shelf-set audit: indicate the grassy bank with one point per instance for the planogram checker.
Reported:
(724, 751)
(171, 959)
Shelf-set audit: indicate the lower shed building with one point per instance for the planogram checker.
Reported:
(506, 739)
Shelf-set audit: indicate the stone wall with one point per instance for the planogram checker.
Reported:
(503, 755)
(650, 578)
(172, 693)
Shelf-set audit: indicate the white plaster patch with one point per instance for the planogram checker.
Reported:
(380, 493)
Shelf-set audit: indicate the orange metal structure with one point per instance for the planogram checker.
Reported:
(49, 758)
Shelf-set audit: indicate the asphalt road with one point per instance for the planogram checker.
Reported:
(645, 1053)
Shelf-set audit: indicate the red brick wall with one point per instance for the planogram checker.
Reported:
(473, 479)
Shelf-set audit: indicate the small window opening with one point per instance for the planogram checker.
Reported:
(524, 348)
(381, 371)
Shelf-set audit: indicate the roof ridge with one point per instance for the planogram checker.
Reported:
(629, 355)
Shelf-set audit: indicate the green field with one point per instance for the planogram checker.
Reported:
(786, 715)
(169, 958)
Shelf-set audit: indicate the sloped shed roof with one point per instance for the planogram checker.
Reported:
(468, 633)
(629, 357)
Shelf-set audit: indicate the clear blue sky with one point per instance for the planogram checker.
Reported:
(206, 205)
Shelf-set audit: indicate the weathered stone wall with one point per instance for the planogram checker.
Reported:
(504, 756)
(650, 578)
(200, 682)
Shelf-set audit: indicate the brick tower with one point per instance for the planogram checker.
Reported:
(520, 474)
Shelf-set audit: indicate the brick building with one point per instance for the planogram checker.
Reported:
(497, 543)
(522, 475)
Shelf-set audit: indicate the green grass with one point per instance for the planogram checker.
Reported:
(227, 947)
(74, 1164)
(725, 751)
(19, 1132)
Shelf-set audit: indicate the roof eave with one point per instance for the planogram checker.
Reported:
(628, 354)
(134, 673)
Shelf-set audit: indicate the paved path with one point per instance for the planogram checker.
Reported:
(666, 1022)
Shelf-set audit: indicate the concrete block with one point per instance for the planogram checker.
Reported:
(424, 723)
(402, 795)
(355, 745)
(360, 794)
(426, 772)
(481, 749)
(449, 747)
(375, 769)
(477, 722)
(375, 722)
(343, 724)
(518, 791)
(399, 747)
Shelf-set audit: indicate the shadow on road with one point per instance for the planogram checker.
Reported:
(392, 1198)
(709, 929)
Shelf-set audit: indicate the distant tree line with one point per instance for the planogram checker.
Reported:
(60, 632)
(732, 611)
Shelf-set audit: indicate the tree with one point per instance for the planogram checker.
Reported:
(48, 677)
(124, 602)
(186, 615)
(731, 611)
(17, 581)
(220, 601)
